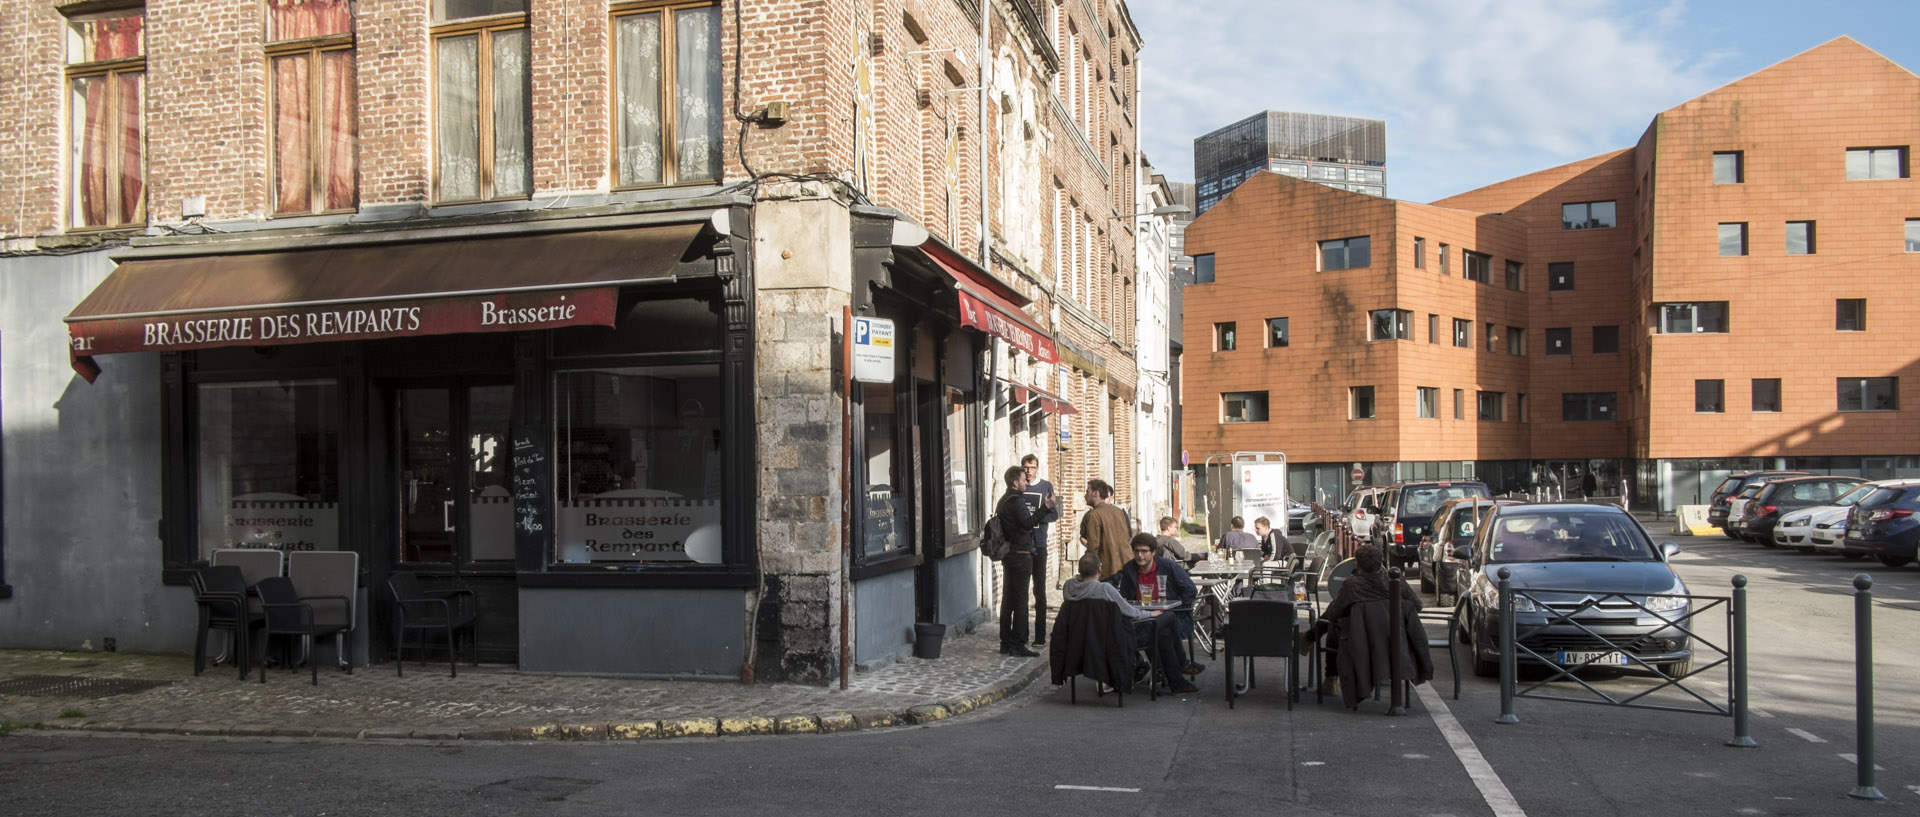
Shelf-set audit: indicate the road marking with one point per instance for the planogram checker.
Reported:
(1095, 788)
(1761, 712)
(1811, 737)
(1478, 769)
(1855, 760)
(1314, 763)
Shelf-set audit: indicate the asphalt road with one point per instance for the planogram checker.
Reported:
(1039, 754)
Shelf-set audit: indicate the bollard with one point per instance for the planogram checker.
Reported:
(1742, 736)
(1396, 641)
(1509, 657)
(1863, 688)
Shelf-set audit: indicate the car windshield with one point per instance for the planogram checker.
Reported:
(1460, 523)
(1568, 536)
(1422, 501)
(1857, 493)
(1880, 496)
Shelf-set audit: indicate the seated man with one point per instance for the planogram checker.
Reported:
(1270, 542)
(1151, 630)
(1238, 539)
(1169, 542)
(1169, 582)
(1368, 583)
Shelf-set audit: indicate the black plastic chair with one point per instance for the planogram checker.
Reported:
(220, 592)
(419, 610)
(1261, 627)
(288, 614)
(1106, 651)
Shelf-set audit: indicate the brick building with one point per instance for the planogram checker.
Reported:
(1702, 302)
(555, 302)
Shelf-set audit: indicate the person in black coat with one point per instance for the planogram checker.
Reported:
(1361, 652)
(1021, 527)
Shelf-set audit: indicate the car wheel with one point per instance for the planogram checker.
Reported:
(1853, 557)
(1891, 560)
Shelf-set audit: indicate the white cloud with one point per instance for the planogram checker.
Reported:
(1473, 91)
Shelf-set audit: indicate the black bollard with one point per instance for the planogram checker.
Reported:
(1742, 736)
(1509, 652)
(1863, 688)
(1396, 644)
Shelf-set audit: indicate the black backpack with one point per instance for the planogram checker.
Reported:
(993, 540)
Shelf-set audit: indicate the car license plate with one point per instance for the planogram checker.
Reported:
(1602, 659)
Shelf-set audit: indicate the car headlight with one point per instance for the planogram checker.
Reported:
(1666, 604)
(1797, 521)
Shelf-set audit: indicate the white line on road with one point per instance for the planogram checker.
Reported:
(1095, 788)
(1491, 789)
(1855, 760)
(1810, 737)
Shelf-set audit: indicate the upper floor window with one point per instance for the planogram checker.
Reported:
(1588, 407)
(1766, 394)
(1516, 275)
(1709, 396)
(1463, 333)
(1346, 253)
(1695, 317)
(667, 109)
(1479, 267)
(1729, 167)
(1203, 269)
(1243, 407)
(1733, 238)
(1360, 403)
(1868, 393)
(1560, 341)
(482, 128)
(1800, 238)
(1225, 337)
(1443, 260)
(1586, 215)
(1390, 324)
(1560, 276)
(1419, 253)
(1606, 340)
(1277, 334)
(1516, 340)
(106, 76)
(1493, 406)
(315, 129)
(1427, 402)
(1877, 163)
(1850, 315)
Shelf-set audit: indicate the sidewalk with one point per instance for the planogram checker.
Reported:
(73, 691)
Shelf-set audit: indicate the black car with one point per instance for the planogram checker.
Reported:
(1886, 525)
(1453, 526)
(1717, 506)
(1406, 512)
(1780, 496)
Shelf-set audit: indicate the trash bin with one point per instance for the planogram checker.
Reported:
(926, 640)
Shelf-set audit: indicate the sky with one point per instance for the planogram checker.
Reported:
(1472, 91)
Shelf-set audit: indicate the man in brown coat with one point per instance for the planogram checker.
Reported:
(1104, 529)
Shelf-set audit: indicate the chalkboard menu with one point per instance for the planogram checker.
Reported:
(532, 496)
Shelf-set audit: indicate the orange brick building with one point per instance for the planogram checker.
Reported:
(1727, 294)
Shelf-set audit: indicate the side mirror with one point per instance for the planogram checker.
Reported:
(1668, 549)
(1463, 552)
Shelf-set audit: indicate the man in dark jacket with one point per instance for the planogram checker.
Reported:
(1020, 526)
(1039, 495)
(1148, 570)
(1151, 630)
(1363, 650)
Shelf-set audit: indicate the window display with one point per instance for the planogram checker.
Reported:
(638, 456)
(269, 459)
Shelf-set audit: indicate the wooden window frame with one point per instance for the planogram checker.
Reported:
(112, 71)
(669, 87)
(485, 28)
(315, 48)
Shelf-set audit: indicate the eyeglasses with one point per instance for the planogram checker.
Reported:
(1143, 551)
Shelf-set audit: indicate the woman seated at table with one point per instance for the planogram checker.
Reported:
(1164, 580)
(1152, 629)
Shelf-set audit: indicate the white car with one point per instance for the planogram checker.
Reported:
(1360, 509)
(1829, 523)
(1794, 527)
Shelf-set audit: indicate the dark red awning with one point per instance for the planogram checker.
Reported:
(1049, 402)
(993, 307)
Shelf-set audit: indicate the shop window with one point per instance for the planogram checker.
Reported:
(1243, 407)
(269, 456)
(482, 128)
(6, 591)
(883, 520)
(315, 132)
(667, 109)
(1868, 393)
(654, 325)
(963, 512)
(638, 455)
(106, 75)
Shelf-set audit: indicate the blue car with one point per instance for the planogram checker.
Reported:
(1599, 591)
(1884, 525)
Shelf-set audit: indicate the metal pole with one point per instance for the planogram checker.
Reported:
(1509, 660)
(1863, 688)
(1742, 736)
(1396, 643)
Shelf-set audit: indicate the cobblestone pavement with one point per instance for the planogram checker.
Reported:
(499, 703)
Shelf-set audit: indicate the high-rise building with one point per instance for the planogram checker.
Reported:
(1338, 151)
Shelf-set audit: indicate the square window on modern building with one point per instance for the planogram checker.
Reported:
(1729, 167)
(1877, 163)
(1516, 340)
(1913, 235)
(1479, 267)
(1587, 215)
(1868, 393)
(1346, 253)
(1459, 404)
(1709, 317)
(1560, 276)
(1443, 259)
(1360, 402)
(1588, 407)
(1463, 333)
(1419, 253)
(1276, 333)
(1710, 396)
(1606, 340)
(1493, 406)
(1766, 394)
(1390, 324)
(1427, 401)
(1203, 269)
(1850, 315)
(1733, 238)
(1433, 328)
(1225, 337)
(1243, 407)
(1516, 275)
(1800, 238)
(1559, 341)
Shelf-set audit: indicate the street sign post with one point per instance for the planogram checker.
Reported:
(1359, 474)
(873, 350)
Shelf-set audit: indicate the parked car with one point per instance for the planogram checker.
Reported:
(1453, 525)
(1883, 525)
(1407, 512)
(1360, 509)
(1784, 496)
(1735, 527)
(1606, 573)
(1297, 515)
(1828, 524)
(1717, 505)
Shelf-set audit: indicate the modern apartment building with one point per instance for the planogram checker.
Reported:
(1338, 151)
(1704, 301)
(558, 302)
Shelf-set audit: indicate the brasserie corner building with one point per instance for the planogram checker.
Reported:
(634, 434)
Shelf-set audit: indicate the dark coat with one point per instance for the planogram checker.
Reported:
(1092, 638)
(1021, 526)
(1364, 638)
(1179, 586)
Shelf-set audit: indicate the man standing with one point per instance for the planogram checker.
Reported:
(1104, 528)
(1039, 499)
(1018, 524)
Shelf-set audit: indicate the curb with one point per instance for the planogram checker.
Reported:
(666, 728)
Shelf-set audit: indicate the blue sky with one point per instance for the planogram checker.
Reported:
(1473, 91)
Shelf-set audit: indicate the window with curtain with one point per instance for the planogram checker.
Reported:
(106, 75)
(315, 125)
(482, 130)
(667, 109)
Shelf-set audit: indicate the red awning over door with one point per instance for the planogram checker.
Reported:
(989, 305)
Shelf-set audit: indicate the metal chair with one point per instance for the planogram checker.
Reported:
(419, 610)
(321, 576)
(220, 593)
(289, 614)
(1446, 642)
(1261, 627)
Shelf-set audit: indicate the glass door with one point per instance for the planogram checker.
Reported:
(455, 508)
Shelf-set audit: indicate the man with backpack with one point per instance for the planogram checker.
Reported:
(1021, 528)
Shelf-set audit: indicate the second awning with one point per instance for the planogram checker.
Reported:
(982, 308)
